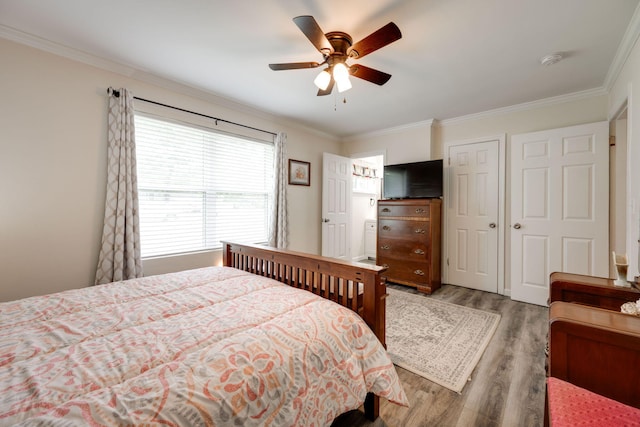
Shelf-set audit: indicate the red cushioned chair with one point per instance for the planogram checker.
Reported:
(594, 353)
(573, 406)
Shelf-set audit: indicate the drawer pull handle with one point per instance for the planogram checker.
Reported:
(386, 210)
(419, 231)
(419, 272)
(385, 247)
(386, 228)
(419, 210)
(419, 251)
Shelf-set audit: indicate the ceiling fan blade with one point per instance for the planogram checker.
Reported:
(314, 33)
(328, 90)
(376, 40)
(369, 74)
(293, 66)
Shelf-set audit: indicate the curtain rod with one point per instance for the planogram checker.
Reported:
(116, 93)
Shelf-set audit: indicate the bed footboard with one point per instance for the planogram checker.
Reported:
(356, 286)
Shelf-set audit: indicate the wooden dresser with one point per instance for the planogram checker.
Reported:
(409, 242)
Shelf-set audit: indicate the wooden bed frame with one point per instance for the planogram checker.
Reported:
(591, 343)
(356, 286)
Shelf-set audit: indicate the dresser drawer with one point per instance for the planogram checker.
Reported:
(403, 249)
(389, 209)
(406, 272)
(401, 229)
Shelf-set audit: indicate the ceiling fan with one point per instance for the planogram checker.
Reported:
(336, 47)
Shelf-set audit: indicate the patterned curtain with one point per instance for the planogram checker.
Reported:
(120, 253)
(278, 233)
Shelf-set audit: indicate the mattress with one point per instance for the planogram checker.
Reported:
(213, 346)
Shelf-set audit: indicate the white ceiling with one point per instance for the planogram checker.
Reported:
(456, 57)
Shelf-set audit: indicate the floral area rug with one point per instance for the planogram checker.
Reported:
(437, 340)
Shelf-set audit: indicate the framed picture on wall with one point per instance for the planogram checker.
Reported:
(299, 172)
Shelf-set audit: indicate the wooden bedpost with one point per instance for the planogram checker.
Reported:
(375, 305)
(226, 254)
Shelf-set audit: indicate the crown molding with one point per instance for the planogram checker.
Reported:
(210, 97)
(624, 49)
(526, 106)
(626, 45)
(150, 78)
(484, 114)
(64, 51)
(424, 123)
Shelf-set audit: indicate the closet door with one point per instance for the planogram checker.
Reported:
(472, 215)
(559, 207)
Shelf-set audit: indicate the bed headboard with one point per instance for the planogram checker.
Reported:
(357, 286)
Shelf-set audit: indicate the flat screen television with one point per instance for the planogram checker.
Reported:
(413, 180)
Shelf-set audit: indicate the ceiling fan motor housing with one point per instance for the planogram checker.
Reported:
(340, 42)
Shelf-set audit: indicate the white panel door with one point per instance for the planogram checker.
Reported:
(559, 207)
(336, 206)
(472, 215)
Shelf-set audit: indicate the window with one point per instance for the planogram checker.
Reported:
(198, 186)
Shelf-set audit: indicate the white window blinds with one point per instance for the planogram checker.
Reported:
(198, 187)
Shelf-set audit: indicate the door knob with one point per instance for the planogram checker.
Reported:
(517, 226)
(325, 219)
(492, 225)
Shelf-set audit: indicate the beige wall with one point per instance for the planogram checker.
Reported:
(53, 169)
(405, 144)
(425, 140)
(53, 161)
(515, 121)
(411, 145)
(626, 89)
(520, 120)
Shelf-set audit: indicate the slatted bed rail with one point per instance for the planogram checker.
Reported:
(356, 286)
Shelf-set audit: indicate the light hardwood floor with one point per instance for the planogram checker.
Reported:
(507, 386)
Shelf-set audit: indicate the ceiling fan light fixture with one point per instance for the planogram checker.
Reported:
(341, 76)
(322, 80)
(343, 85)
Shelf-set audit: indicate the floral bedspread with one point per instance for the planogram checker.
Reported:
(214, 346)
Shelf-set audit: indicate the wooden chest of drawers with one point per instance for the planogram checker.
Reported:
(409, 242)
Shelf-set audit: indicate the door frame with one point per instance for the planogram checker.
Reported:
(618, 181)
(362, 155)
(502, 225)
(632, 213)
